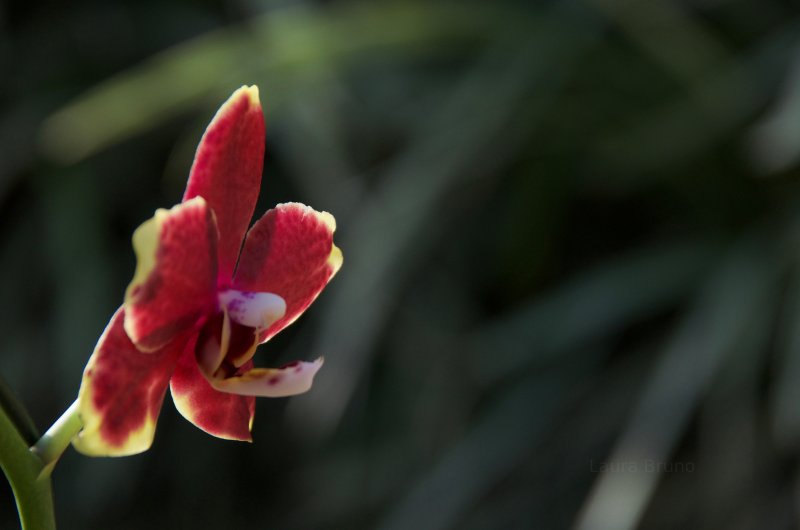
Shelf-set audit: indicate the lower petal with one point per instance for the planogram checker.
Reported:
(122, 392)
(294, 378)
(220, 414)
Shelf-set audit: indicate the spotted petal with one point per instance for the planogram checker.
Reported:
(122, 392)
(175, 279)
(227, 171)
(289, 252)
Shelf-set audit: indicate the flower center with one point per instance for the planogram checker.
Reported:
(252, 309)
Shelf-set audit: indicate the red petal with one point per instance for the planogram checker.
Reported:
(227, 171)
(289, 252)
(175, 279)
(122, 392)
(220, 414)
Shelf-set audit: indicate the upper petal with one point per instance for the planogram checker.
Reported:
(227, 171)
(175, 279)
(289, 252)
(122, 392)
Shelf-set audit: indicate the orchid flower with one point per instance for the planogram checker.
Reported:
(200, 302)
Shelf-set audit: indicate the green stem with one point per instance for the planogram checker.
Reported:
(23, 469)
(28, 469)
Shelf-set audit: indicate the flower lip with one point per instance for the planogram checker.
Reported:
(289, 380)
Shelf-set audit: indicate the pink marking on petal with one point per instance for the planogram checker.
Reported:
(256, 310)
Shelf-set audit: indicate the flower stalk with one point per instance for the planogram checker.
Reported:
(25, 473)
(57, 438)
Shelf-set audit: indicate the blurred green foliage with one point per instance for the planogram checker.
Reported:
(570, 296)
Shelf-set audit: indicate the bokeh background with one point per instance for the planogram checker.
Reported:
(571, 229)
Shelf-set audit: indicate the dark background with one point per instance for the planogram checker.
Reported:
(570, 295)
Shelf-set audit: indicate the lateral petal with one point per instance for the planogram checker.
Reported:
(227, 171)
(176, 271)
(122, 392)
(294, 378)
(220, 414)
(289, 252)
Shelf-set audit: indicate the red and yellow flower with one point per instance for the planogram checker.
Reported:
(200, 303)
